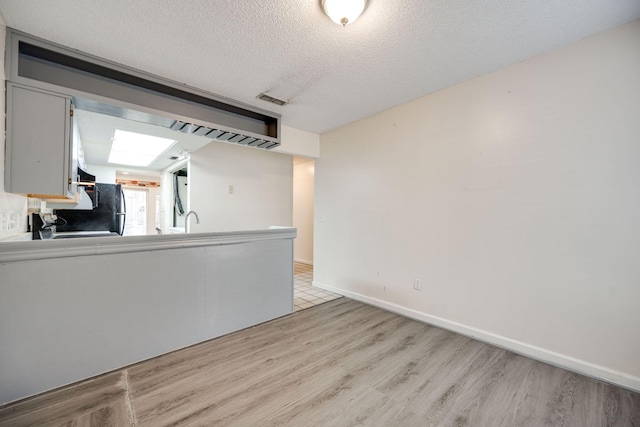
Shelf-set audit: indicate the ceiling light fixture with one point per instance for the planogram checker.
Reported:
(135, 149)
(343, 12)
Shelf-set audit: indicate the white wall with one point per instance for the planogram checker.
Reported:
(303, 171)
(13, 208)
(104, 174)
(515, 197)
(298, 142)
(262, 184)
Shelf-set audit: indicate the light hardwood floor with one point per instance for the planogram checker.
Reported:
(341, 363)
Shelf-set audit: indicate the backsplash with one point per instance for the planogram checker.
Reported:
(13, 215)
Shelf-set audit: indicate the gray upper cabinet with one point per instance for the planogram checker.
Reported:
(41, 160)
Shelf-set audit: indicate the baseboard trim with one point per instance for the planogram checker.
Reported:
(303, 261)
(543, 355)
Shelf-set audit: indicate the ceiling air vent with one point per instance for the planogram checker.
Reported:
(271, 99)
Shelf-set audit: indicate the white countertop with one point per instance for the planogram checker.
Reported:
(62, 248)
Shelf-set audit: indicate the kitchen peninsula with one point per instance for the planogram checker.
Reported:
(74, 308)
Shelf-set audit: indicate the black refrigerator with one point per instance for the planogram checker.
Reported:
(109, 214)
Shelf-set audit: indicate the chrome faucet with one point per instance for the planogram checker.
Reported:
(186, 217)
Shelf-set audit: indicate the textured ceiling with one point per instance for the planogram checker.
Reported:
(398, 50)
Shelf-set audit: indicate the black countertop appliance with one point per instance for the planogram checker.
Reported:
(109, 213)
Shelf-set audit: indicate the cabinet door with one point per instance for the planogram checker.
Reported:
(40, 158)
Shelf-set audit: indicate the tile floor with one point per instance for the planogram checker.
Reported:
(305, 295)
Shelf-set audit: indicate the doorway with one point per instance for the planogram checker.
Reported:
(136, 202)
(143, 210)
(303, 182)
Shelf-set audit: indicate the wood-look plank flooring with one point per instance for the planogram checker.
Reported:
(342, 363)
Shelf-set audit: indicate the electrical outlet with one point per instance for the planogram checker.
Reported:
(417, 284)
(230, 189)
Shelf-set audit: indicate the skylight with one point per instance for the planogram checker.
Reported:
(136, 149)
